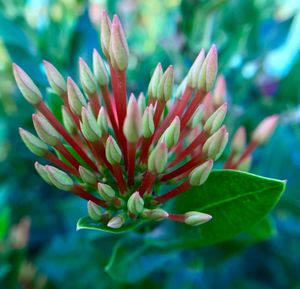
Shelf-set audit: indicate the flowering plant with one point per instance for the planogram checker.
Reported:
(128, 158)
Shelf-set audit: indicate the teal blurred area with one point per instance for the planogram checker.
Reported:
(259, 47)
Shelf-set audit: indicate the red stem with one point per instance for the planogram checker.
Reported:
(158, 112)
(229, 161)
(144, 150)
(95, 104)
(147, 183)
(176, 217)
(117, 172)
(56, 161)
(131, 162)
(249, 149)
(173, 193)
(79, 191)
(69, 157)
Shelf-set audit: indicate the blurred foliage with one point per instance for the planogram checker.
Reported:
(259, 45)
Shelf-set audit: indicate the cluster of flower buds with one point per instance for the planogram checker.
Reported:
(116, 152)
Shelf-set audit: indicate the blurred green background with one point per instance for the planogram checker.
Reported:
(258, 42)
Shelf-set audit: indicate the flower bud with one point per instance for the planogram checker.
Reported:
(239, 140)
(102, 121)
(106, 192)
(132, 124)
(27, 87)
(75, 97)
(112, 151)
(119, 52)
(59, 178)
(219, 91)
(68, 121)
(245, 164)
(94, 211)
(196, 218)
(34, 144)
(56, 80)
(87, 78)
(45, 130)
(181, 87)
(215, 145)
(165, 87)
(155, 214)
(99, 69)
(194, 71)
(147, 122)
(158, 158)
(105, 33)
(200, 174)
(135, 204)
(171, 134)
(215, 121)
(116, 222)
(41, 170)
(197, 117)
(154, 81)
(141, 102)
(87, 176)
(89, 126)
(265, 129)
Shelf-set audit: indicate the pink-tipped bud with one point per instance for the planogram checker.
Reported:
(199, 175)
(105, 33)
(219, 91)
(135, 203)
(158, 158)
(215, 121)
(75, 97)
(112, 151)
(94, 211)
(116, 222)
(147, 122)
(192, 77)
(119, 52)
(154, 81)
(265, 129)
(196, 218)
(87, 78)
(165, 87)
(171, 134)
(133, 121)
(41, 170)
(87, 176)
(239, 141)
(27, 87)
(99, 69)
(59, 178)
(56, 80)
(68, 121)
(89, 126)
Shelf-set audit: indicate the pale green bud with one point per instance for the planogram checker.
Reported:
(200, 174)
(116, 222)
(102, 121)
(112, 151)
(105, 33)
(99, 69)
(181, 88)
(135, 204)
(89, 126)
(192, 77)
(141, 102)
(41, 170)
(197, 117)
(265, 129)
(245, 165)
(87, 78)
(239, 140)
(68, 121)
(59, 178)
(215, 121)
(171, 134)
(154, 81)
(165, 87)
(219, 91)
(87, 176)
(106, 192)
(75, 97)
(158, 158)
(34, 144)
(94, 211)
(155, 214)
(147, 122)
(196, 218)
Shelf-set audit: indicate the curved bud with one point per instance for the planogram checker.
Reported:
(198, 116)
(59, 178)
(199, 175)
(106, 192)
(68, 121)
(99, 69)
(215, 145)
(89, 126)
(102, 121)
(194, 71)
(75, 97)
(135, 204)
(147, 122)
(196, 218)
(34, 144)
(87, 78)
(56, 80)
(165, 87)
(142, 102)
(105, 33)
(154, 81)
(116, 222)
(94, 211)
(219, 91)
(133, 121)
(215, 121)
(112, 151)
(171, 134)
(87, 176)
(119, 52)
(158, 158)
(27, 87)
(45, 130)
(41, 170)
(155, 214)
(265, 129)
(239, 140)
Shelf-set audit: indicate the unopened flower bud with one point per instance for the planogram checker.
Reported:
(219, 91)
(119, 52)
(99, 69)
(133, 121)
(56, 80)
(165, 87)
(245, 164)
(196, 218)
(102, 121)
(116, 222)
(75, 97)
(197, 117)
(59, 178)
(192, 77)
(265, 129)
(27, 87)
(215, 145)
(105, 33)
(94, 211)
(89, 126)
(112, 151)
(142, 102)
(87, 78)
(158, 158)
(155, 214)
(215, 121)
(106, 192)
(34, 144)
(41, 170)
(199, 175)
(68, 121)
(87, 176)
(135, 204)
(147, 122)
(154, 81)
(181, 87)
(171, 134)
(239, 140)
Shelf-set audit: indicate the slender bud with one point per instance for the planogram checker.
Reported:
(116, 222)
(94, 211)
(133, 122)
(27, 87)
(197, 117)
(158, 158)
(68, 121)
(155, 214)
(34, 144)
(245, 165)
(89, 126)
(102, 121)
(87, 78)
(239, 141)
(200, 174)
(45, 130)
(41, 170)
(215, 121)
(165, 87)
(215, 145)
(154, 81)
(196, 218)
(105, 33)
(219, 91)
(119, 52)
(56, 80)
(265, 129)
(147, 122)
(59, 178)
(75, 97)
(141, 102)
(106, 192)
(99, 69)
(181, 87)
(171, 134)
(135, 204)
(194, 71)
(112, 151)
(87, 176)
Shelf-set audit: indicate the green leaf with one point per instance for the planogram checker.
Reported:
(4, 222)
(236, 200)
